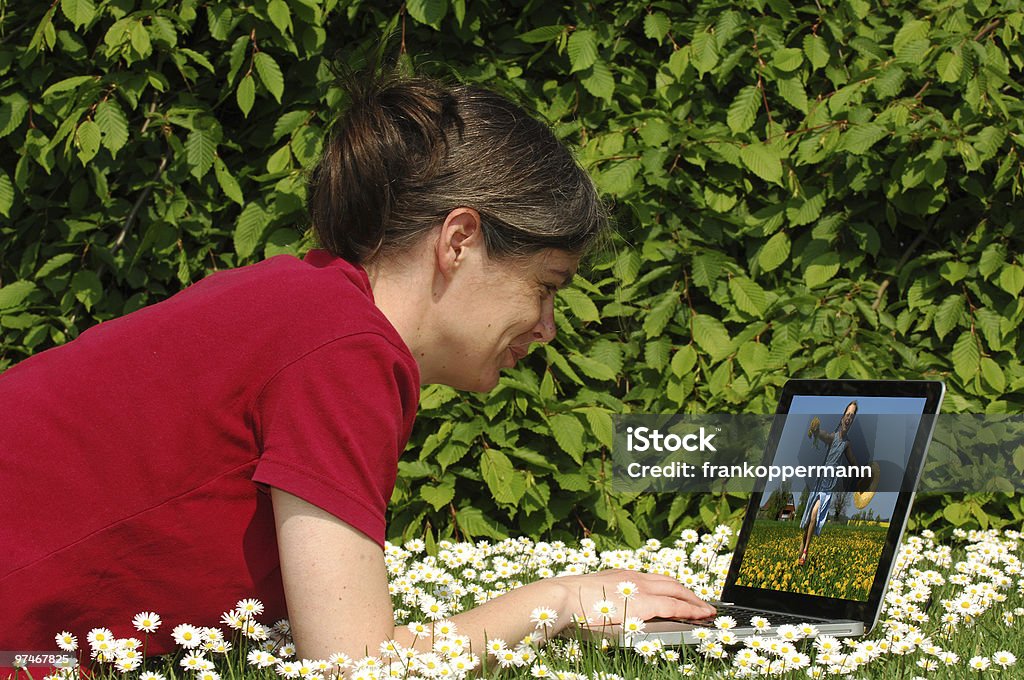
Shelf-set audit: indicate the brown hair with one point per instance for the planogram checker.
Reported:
(408, 150)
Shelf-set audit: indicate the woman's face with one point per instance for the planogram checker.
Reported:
(502, 307)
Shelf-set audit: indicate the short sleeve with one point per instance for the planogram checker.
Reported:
(332, 424)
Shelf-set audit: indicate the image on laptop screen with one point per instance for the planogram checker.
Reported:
(824, 535)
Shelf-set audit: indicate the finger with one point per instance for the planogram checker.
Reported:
(674, 608)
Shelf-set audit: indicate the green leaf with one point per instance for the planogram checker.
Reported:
(910, 32)
(13, 294)
(948, 315)
(87, 139)
(993, 375)
(246, 94)
(599, 81)
(13, 108)
(307, 144)
(53, 264)
(197, 58)
(78, 12)
(429, 12)
(113, 125)
(619, 178)
(743, 110)
(821, 269)
(752, 357)
(806, 209)
(683, 360)
(966, 356)
(837, 366)
(774, 252)
(748, 295)
(249, 229)
(582, 307)
(542, 34)
(228, 184)
(792, 90)
(270, 74)
(661, 313)
(141, 42)
(592, 368)
(568, 432)
(601, 424)
(1011, 279)
(787, 59)
(763, 161)
(816, 51)
(505, 483)
(280, 15)
(473, 523)
(6, 194)
(859, 138)
(87, 288)
(711, 335)
(288, 123)
(438, 496)
(67, 84)
(582, 50)
(949, 66)
(656, 26)
(200, 148)
(704, 51)
(627, 266)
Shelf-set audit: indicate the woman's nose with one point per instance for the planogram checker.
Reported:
(545, 329)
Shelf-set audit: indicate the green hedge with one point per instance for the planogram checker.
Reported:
(823, 189)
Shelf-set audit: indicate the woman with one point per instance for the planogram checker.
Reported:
(241, 438)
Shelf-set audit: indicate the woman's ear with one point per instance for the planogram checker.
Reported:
(460, 237)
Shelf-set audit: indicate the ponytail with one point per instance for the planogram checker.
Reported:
(406, 151)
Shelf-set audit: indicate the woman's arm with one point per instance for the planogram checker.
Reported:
(336, 585)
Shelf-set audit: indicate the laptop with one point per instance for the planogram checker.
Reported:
(819, 551)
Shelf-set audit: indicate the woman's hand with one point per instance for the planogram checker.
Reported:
(653, 596)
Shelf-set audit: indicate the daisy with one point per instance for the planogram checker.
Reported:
(979, 663)
(627, 589)
(249, 607)
(67, 641)
(760, 623)
(259, 658)
(605, 609)
(340, 660)
(193, 661)
(496, 646)
(187, 636)
(544, 617)
(147, 622)
(1004, 659)
(150, 675)
(445, 628)
(633, 625)
(725, 623)
(208, 674)
(127, 665)
(98, 635)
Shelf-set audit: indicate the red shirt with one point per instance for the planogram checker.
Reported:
(134, 460)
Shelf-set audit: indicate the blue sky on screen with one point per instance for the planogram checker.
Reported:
(886, 438)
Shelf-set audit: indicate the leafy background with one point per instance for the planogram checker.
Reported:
(821, 189)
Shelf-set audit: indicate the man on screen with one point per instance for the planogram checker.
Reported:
(819, 503)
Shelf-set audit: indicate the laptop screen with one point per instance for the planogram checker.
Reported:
(826, 535)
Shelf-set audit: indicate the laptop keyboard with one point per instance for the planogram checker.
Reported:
(743, 616)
